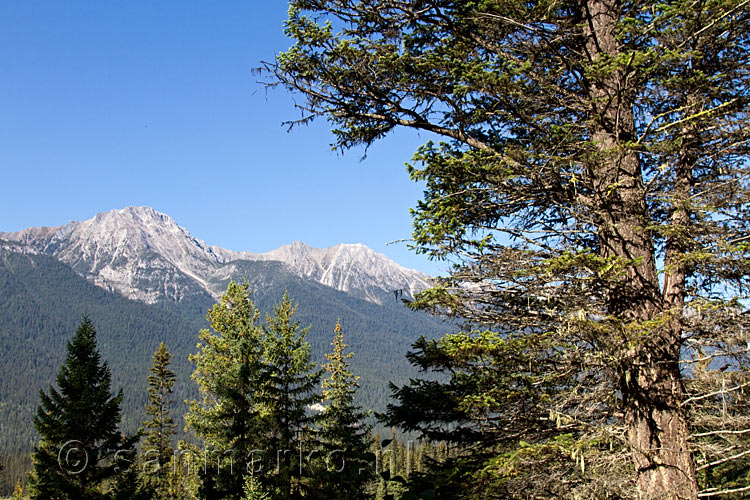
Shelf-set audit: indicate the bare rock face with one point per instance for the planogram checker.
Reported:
(145, 255)
(355, 269)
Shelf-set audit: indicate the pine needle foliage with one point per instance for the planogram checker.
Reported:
(253, 490)
(77, 456)
(228, 371)
(288, 390)
(587, 174)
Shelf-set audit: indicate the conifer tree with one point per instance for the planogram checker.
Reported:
(229, 371)
(287, 392)
(393, 454)
(343, 432)
(128, 483)
(591, 187)
(78, 423)
(158, 449)
(253, 490)
(184, 480)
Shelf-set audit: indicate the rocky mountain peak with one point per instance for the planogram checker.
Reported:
(144, 254)
(353, 268)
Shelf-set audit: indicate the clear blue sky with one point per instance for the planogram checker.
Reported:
(105, 104)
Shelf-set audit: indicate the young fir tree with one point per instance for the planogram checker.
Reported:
(253, 490)
(78, 423)
(158, 449)
(287, 392)
(343, 432)
(228, 371)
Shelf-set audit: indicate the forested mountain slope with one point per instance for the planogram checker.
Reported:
(42, 301)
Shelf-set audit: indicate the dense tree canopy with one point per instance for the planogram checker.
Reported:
(591, 188)
(257, 382)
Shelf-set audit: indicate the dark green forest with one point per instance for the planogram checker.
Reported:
(42, 301)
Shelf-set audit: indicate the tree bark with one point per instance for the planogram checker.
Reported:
(649, 377)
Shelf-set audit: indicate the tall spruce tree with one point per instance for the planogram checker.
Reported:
(592, 190)
(288, 391)
(158, 449)
(229, 371)
(79, 447)
(343, 431)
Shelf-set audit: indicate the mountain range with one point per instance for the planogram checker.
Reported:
(142, 279)
(145, 255)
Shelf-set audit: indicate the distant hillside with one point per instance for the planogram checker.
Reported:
(42, 301)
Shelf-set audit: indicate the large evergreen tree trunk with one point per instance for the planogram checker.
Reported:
(649, 376)
(587, 202)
